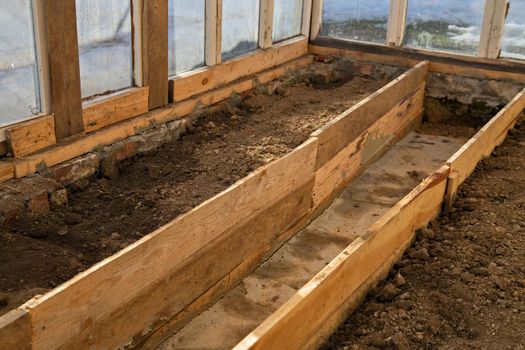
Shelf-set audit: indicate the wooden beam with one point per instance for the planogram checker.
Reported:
(492, 28)
(155, 51)
(39, 28)
(307, 18)
(15, 330)
(317, 19)
(64, 68)
(396, 22)
(31, 136)
(136, 18)
(341, 131)
(7, 170)
(297, 323)
(198, 81)
(213, 32)
(107, 136)
(266, 14)
(108, 110)
(477, 67)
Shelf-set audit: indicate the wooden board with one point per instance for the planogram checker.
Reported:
(31, 136)
(64, 68)
(7, 170)
(114, 108)
(492, 28)
(167, 304)
(112, 134)
(297, 322)
(266, 14)
(192, 83)
(155, 51)
(440, 62)
(340, 132)
(15, 330)
(488, 137)
(374, 141)
(89, 297)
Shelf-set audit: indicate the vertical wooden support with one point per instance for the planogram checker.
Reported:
(452, 190)
(64, 68)
(317, 18)
(155, 51)
(266, 14)
(136, 17)
(396, 22)
(213, 32)
(39, 29)
(307, 18)
(492, 28)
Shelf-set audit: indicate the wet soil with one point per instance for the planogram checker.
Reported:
(225, 144)
(462, 284)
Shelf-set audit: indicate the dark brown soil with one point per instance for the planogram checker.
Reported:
(105, 215)
(462, 284)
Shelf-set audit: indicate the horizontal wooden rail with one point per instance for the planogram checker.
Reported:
(29, 137)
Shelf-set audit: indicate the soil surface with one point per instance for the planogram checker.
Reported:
(226, 143)
(462, 284)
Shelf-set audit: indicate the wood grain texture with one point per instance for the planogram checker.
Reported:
(89, 297)
(15, 330)
(343, 130)
(64, 68)
(112, 134)
(117, 107)
(297, 323)
(196, 82)
(7, 170)
(155, 51)
(31, 136)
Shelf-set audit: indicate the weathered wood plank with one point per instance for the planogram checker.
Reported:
(7, 170)
(89, 297)
(109, 135)
(31, 136)
(117, 107)
(155, 51)
(64, 67)
(340, 132)
(192, 83)
(266, 14)
(374, 141)
(15, 330)
(296, 324)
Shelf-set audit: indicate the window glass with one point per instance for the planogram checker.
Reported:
(513, 45)
(240, 27)
(363, 20)
(287, 19)
(104, 39)
(18, 71)
(448, 25)
(186, 35)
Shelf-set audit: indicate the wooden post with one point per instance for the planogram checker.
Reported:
(64, 68)
(213, 32)
(155, 51)
(266, 14)
(317, 19)
(396, 22)
(307, 18)
(136, 17)
(492, 28)
(41, 56)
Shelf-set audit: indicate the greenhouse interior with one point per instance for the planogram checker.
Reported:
(262, 174)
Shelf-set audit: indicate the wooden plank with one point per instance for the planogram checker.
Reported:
(15, 330)
(213, 45)
(488, 137)
(492, 28)
(108, 110)
(307, 18)
(112, 134)
(396, 22)
(297, 322)
(155, 51)
(164, 306)
(63, 313)
(201, 80)
(441, 62)
(340, 132)
(64, 68)
(7, 170)
(266, 14)
(317, 18)
(374, 141)
(31, 136)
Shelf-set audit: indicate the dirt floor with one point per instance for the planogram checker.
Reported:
(105, 214)
(462, 284)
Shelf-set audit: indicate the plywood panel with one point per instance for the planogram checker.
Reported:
(15, 330)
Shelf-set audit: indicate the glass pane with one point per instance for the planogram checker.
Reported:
(363, 20)
(186, 35)
(449, 25)
(104, 39)
(513, 45)
(18, 71)
(240, 27)
(287, 19)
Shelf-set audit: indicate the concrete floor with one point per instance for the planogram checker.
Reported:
(361, 204)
